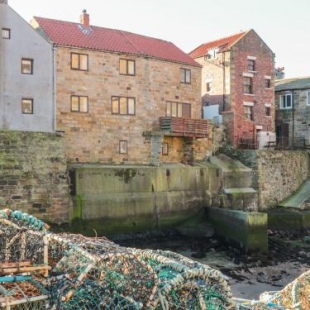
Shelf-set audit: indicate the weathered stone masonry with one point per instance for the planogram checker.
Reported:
(33, 175)
(276, 174)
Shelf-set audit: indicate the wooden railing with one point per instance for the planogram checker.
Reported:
(186, 127)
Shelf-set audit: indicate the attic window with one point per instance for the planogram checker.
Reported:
(85, 30)
(211, 54)
(6, 33)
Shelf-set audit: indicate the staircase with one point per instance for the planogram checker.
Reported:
(236, 192)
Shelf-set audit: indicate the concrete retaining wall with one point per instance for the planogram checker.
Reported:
(247, 229)
(133, 198)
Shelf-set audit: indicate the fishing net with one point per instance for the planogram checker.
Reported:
(71, 271)
(22, 248)
(42, 270)
(95, 273)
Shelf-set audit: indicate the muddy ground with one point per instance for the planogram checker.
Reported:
(249, 274)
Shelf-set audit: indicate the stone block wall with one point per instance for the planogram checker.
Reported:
(294, 124)
(275, 174)
(33, 175)
(94, 137)
(280, 173)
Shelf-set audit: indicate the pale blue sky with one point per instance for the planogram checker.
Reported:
(284, 25)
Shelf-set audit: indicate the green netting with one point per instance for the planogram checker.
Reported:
(41, 270)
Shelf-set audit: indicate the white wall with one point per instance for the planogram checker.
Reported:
(25, 42)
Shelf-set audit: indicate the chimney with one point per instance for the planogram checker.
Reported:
(84, 19)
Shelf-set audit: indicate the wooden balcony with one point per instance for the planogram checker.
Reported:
(185, 127)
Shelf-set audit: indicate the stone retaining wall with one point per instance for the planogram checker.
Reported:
(276, 174)
(33, 175)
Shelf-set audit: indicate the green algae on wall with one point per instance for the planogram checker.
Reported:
(248, 230)
(138, 197)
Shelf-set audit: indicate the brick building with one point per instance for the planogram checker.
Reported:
(293, 112)
(238, 77)
(124, 97)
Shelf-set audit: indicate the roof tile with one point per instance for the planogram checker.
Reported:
(222, 44)
(62, 33)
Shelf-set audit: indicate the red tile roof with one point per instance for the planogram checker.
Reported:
(62, 33)
(222, 44)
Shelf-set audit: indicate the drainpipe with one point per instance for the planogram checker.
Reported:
(293, 125)
(224, 85)
(54, 88)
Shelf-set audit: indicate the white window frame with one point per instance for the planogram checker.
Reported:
(283, 104)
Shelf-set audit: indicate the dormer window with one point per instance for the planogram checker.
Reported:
(211, 54)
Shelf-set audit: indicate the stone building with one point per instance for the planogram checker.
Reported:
(124, 97)
(238, 77)
(26, 76)
(293, 112)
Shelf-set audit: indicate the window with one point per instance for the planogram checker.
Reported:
(127, 67)
(268, 111)
(211, 54)
(267, 83)
(79, 104)
(6, 33)
(308, 98)
(251, 65)
(247, 85)
(123, 105)
(248, 112)
(123, 146)
(208, 87)
(27, 106)
(185, 76)
(286, 101)
(27, 66)
(79, 61)
(178, 109)
(164, 150)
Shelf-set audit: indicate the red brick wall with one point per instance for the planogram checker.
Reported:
(252, 45)
(226, 72)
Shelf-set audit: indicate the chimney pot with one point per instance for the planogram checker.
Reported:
(84, 18)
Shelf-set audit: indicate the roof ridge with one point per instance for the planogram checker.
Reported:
(67, 33)
(227, 37)
(101, 27)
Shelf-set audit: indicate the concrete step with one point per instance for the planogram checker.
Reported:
(244, 199)
(300, 199)
(234, 174)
